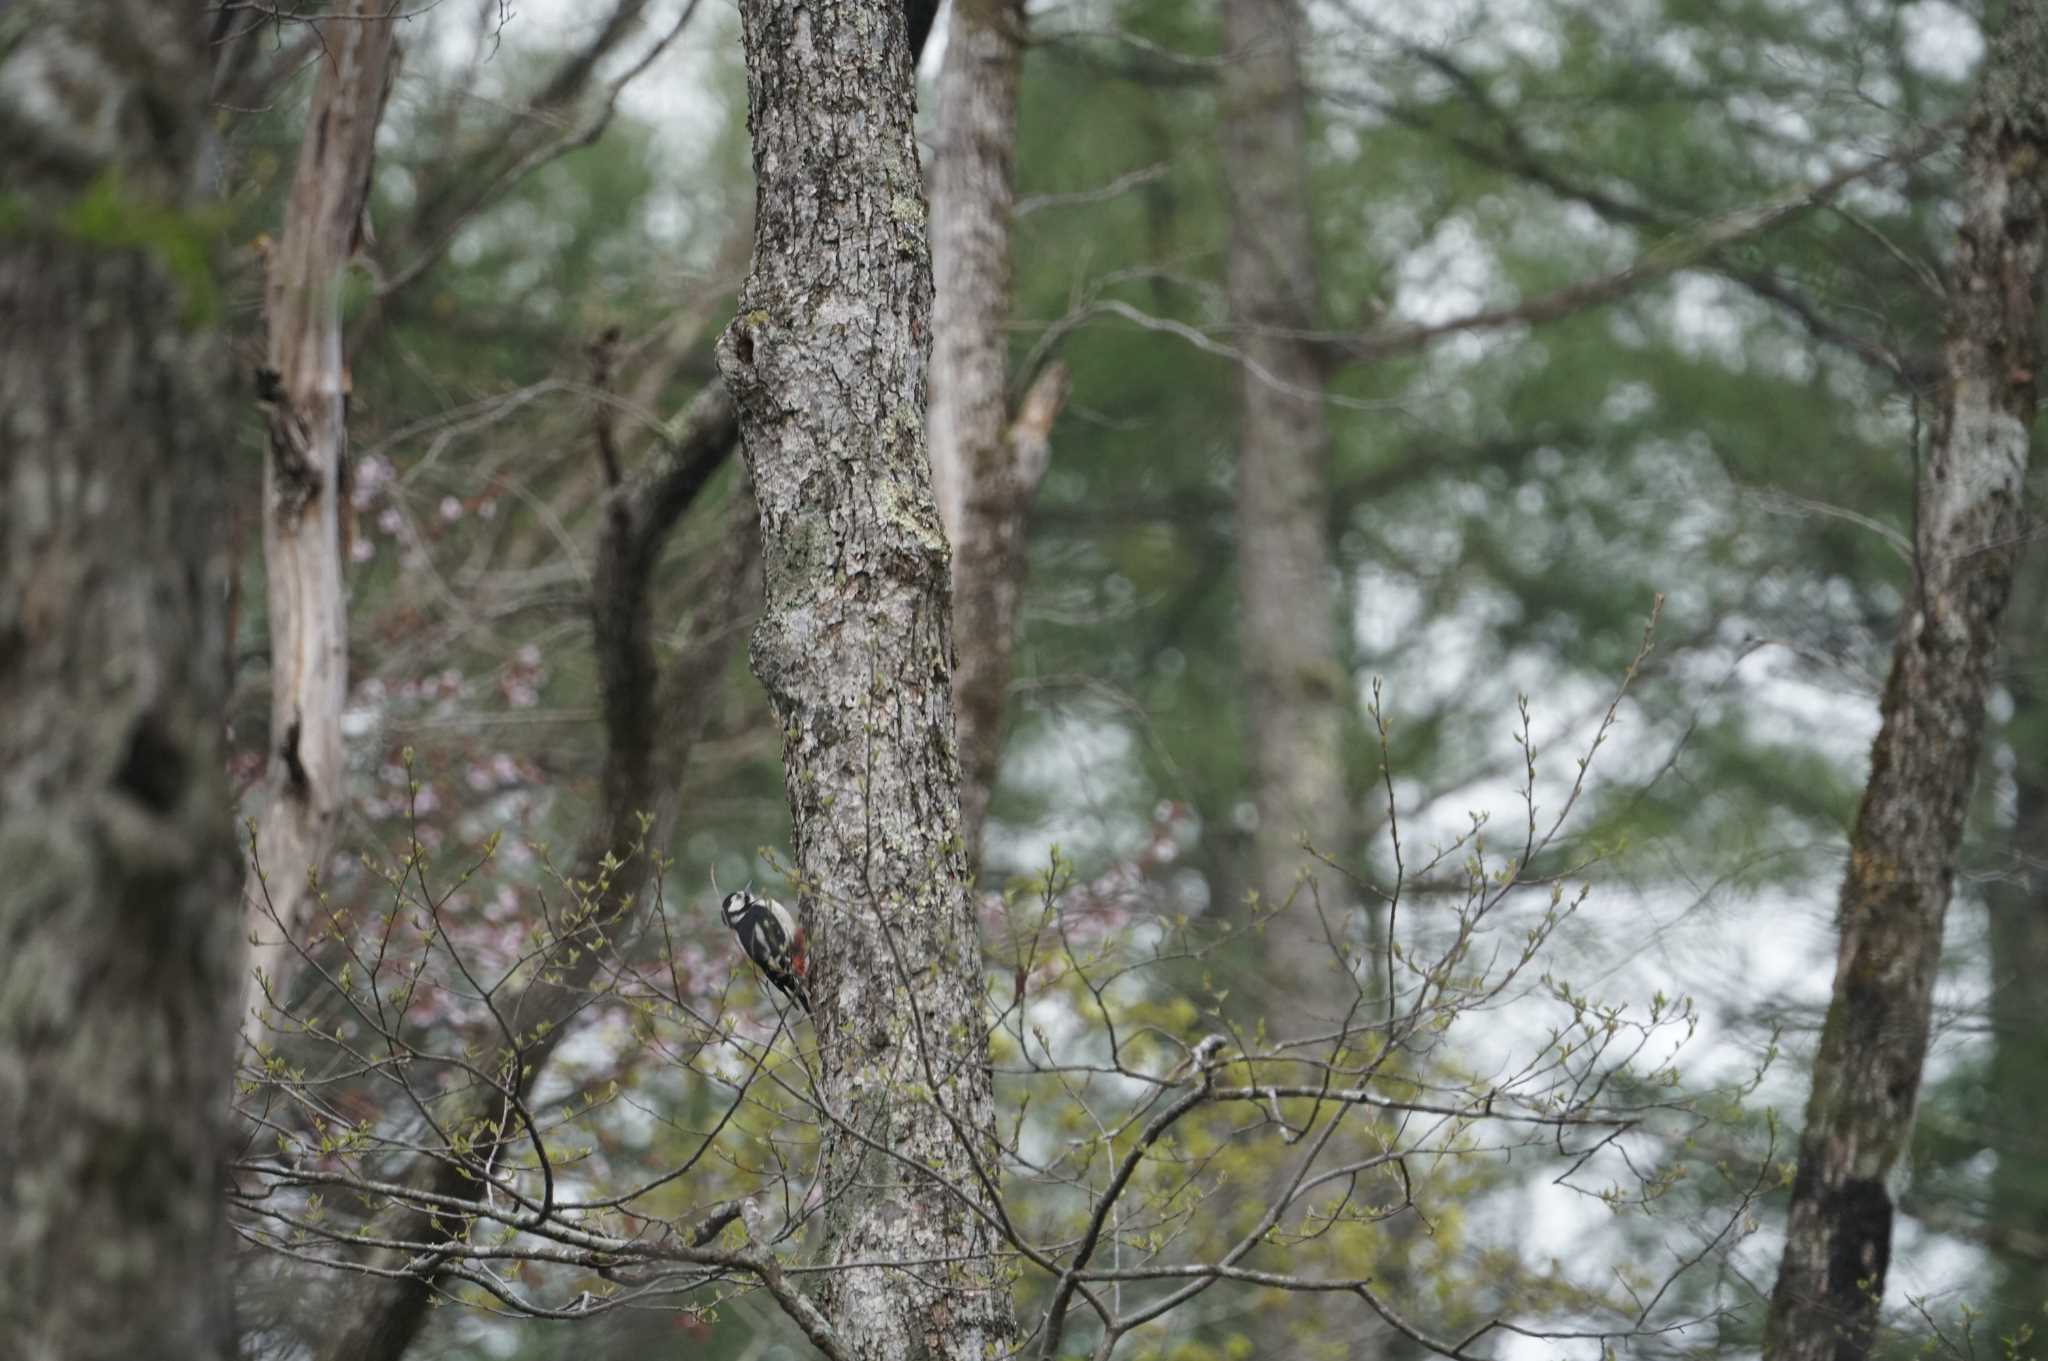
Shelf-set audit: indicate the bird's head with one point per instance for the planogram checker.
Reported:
(735, 907)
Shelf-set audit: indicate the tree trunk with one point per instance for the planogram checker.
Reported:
(117, 930)
(1902, 853)
(304, 481)
(982, 485)
(1296, 693)
(826, 362)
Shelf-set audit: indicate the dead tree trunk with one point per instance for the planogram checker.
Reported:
(305, 390)
(1295, 691)
(826, 362)
(1902, 853)
(117, 930)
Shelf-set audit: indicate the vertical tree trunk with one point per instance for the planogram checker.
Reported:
(304, 480)
(984, 470)
(1295, 691)
(117, 929)
(1902, 853)
(973, 195)
(826, 362)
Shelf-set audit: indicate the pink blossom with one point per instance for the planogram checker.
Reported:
(371, 474)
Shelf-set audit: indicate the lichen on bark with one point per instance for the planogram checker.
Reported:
(115, 843)
(855, 651)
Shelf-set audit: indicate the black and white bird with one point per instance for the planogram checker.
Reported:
(771, 937)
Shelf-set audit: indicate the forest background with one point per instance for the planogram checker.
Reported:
(1475, 520)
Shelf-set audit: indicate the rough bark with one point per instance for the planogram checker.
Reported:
(305, 388)
(827, 362)
(117, 934)
(976, 477)
(1295, 691)
(650, 724)
(1902, 853)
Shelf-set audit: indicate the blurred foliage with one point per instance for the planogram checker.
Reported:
(1503, 507)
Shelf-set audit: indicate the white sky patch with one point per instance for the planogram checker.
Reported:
(1787, 707)
(1617, 242)
(1941, 40)
(1562, 717)
(1676, 50)
(1449, 276)
(1876, 198)
(1428, 21)
(1386, 609)
(1532, 40)
(1085, 768)
(1628, 401)
(1704, 322)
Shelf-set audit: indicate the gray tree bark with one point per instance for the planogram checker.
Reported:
(982, 478)
(117, 929)
(1902, 853)
(304, 481)
(1295, 690)
(827, 363)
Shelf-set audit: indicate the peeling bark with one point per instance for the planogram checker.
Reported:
(305, 396)
(827, 363)
(1902, 854)
(1295, 690)
(117, 935)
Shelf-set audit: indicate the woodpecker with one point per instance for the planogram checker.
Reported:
(771, 938)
